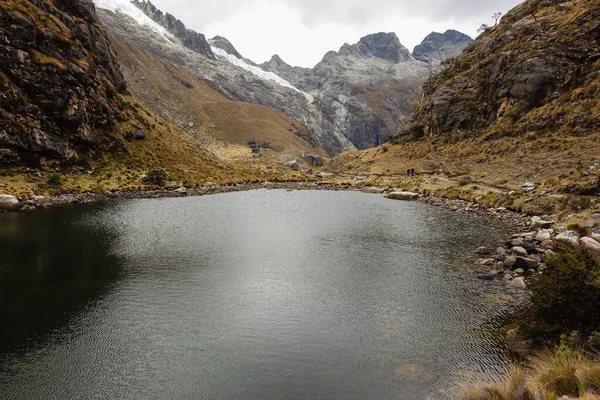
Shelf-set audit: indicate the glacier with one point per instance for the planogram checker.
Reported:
(269, 76)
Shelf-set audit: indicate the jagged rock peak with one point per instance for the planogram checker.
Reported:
(382, 45)
(439, 46)
(222, 43)
(189, 38)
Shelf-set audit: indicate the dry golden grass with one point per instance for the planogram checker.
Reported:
(548, 376)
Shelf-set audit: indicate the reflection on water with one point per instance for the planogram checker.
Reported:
(265, 294)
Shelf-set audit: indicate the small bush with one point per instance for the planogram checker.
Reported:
(55, 180)
(156, 176)
(581, 230)
(566, 297)
(465, 180)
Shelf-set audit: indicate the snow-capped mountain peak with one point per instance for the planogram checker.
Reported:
(127, 8)
(269, 76)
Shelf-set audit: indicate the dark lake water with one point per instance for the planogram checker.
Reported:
(251, 295)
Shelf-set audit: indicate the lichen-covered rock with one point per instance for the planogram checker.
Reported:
(536, 70)
(59, 82)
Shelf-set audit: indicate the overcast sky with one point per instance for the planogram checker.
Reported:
(302, 31)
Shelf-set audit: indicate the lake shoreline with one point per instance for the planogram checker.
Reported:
(519, 220)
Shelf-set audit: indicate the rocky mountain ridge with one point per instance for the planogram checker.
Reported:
(354, 98)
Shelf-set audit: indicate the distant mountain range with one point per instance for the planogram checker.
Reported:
(353, 99)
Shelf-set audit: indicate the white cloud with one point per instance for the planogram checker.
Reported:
(302, 31)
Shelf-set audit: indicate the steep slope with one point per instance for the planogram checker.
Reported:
(59, 83)
(232, 77)
(521, 104)
(536, 72)
(64, 107)
(179, 96)
(353, 98)
(368, 88)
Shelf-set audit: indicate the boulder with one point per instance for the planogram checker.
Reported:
(294, 165)
(10, 203)
(516, 343)
(518, 283)
(373, 190)
(403, 196)
(486, 261)
(519, 251)
(569, 238)
(525, 263)
(590, 244)
(510, 262)
(181, 190)
(544, 234)
(537, 223)
(596, 237)
(210, 185)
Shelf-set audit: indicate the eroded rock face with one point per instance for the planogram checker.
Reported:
(527, 74)
(189, 38)
(59, 82)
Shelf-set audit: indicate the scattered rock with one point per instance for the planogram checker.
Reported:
(181, 190)
(538, 223)
(510, 262)
(374, 190)
(516, 343)
(590, 244)
(518, 283)
(525, 263)
(519, 251)
(294, 165)
(210, 185)
(569, 238)
(10, 203)
(486, 277)
(403, 196)
(543, 235)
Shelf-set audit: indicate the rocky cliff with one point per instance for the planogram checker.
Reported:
(59, 83)
(535, 73)
(188, 37)
(368, 88)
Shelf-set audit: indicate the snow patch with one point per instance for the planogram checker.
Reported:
(269, 76)
(127, 8)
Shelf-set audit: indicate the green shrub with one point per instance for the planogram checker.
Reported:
(465, 180)
(566, 297)
(156, 176)
(55, 180)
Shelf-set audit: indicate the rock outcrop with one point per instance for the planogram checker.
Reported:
(537, 71)
(59, 83)
(188, 37)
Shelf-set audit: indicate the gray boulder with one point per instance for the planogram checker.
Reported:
(519, 251)
(10, 203)
(569, 238)
(518, 283)
(403, 196)
(590, 244)
(525, 263)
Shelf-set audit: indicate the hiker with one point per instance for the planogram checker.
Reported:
(412, 171)
(408, 172)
